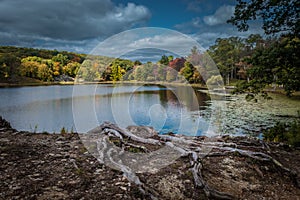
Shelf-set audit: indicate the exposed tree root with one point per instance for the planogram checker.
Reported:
(192, 147)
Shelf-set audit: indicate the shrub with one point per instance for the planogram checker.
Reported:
(284, 132)
(63, 130)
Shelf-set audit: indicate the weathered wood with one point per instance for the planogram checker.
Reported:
(112, 128)
(187, 147)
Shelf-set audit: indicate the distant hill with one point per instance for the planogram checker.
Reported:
(19, 64)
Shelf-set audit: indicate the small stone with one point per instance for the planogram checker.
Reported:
(123, 188)
(73, 155)
(36, 175)
(59, 142)
(98, 171)
(16, 188)
(74, 182)
(37, 179)
(58, 155)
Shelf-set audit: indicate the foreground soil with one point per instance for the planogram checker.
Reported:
(58, 166)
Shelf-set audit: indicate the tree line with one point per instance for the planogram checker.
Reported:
(259, 62)
(274, 60)
(192, 69)
(40, 64)
(253, 63)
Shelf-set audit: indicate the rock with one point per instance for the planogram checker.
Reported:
(142, 131)
(123, 188)
(4, 124)
(98, 171)
(60, 142)
(74, 182)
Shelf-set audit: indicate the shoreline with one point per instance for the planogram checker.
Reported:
(228, 88)
(58, 166)
(7, 85)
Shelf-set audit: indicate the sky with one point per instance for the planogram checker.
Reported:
(80, 25)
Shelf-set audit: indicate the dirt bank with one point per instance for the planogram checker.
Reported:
(58, 166)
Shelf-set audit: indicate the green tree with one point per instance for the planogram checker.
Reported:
(4, 71)
(254, 41)
(171, 74)
(278, 16)
(226, 53)
(137, 63)
(44, 73)
(9, 65)
(29, 68)
(71, 69)
(164, 60)
(127, 65)
(139, 74)
(36, 67)
(161, 72)
(276, 61)
(56, 68)
(62, 59)
(116, 73)
(277, 64)
(197, 77)
(187, 71)
(33, 58)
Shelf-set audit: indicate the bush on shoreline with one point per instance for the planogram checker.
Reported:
(284, 132)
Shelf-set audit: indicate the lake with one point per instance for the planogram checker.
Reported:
(177, 109)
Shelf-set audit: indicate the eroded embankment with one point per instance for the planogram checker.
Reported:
(58, 166)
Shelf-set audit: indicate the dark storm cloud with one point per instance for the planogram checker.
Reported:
(67, 20)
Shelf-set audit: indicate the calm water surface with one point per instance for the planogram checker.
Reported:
(83, 107)
(168, 109)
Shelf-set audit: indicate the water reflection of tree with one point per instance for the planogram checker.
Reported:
(183, 96)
